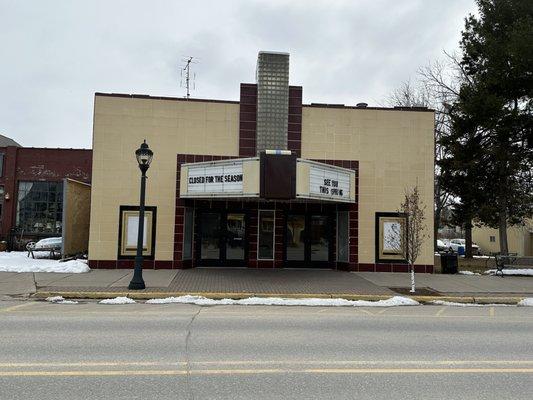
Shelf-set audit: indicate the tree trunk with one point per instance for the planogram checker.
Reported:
(413, 289)
(468, 239)
(504, 249)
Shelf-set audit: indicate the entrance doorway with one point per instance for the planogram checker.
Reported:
(308, 240)
(222, 239)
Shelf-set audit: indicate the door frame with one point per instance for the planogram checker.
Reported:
(222, 239)
(306, 262)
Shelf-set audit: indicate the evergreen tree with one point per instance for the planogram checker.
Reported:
(492, 161)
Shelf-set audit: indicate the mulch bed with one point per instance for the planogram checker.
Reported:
(418, 292)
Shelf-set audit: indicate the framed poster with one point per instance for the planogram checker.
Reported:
(390, 237)
(129, 229)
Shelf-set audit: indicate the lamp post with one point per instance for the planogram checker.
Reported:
(144, 158)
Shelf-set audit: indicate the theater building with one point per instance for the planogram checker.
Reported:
(264, 182)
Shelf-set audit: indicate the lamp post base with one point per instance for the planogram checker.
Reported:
(136, 285)
(137, 281)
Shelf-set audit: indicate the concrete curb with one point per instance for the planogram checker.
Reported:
(217, 296)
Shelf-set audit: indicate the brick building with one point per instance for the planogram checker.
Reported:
(31, 188)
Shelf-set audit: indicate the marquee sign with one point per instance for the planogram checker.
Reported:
(329, 183)
(213, 179)
(244, 177)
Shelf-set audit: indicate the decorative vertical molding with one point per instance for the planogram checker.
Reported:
(294, 135)
(248, 120)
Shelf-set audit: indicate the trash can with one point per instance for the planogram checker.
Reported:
(461, 250)
(448, 263)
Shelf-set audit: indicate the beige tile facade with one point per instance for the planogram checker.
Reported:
(395, 152)
(169, 127)
(394, 149)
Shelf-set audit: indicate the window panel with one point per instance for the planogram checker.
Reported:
(265, 237)
(39, 206)
(343, 239)
(188, 230)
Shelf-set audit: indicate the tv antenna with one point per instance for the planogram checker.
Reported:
(185, 74)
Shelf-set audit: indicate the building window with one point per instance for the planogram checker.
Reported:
(129, 229)
(265, 235)
(343, 236)
(188, 231)
(492, 238)
(40, 207)
(1, 164)
(390, 237)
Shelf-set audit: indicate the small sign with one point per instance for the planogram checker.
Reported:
(328, 183)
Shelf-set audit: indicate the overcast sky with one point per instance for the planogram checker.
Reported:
(55, 54)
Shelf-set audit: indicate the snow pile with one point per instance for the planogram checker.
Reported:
(118, 300)
(453, 304)
(17, 261)
(279, 301)
(60, 300)
(528, 302)
(468, 273)
(522, 272)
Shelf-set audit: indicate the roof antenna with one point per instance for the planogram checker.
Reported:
(185, 74)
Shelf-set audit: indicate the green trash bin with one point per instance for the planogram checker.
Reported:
(448, 263)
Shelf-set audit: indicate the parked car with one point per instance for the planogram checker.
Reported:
(49, 243)
(52, 245)
(454, 244)
(442, 246)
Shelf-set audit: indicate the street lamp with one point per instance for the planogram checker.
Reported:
(144, 158)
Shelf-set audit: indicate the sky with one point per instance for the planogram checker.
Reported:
(56, 54)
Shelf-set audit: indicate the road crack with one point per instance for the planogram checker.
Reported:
(187, 357)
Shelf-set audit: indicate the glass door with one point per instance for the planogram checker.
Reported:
(308, 240)
(209, 231)
(295, 245)
(320, 238)
(222, 239)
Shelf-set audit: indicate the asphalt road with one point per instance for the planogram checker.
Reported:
(141, 351)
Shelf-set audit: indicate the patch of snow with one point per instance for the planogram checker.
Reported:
(60, 300)
(118, 300)
(17, 261)
(55, 299)
(453, 304)
(468, 273)
(517, 272)
(279, 301)
(528, 302)
(484, 257)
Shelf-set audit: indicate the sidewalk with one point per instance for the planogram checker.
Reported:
(241, 283)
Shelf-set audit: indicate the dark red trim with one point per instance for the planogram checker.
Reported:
(247, 120)
(294, 131)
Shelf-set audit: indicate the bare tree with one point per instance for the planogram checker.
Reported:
(430, 91)
(407, 238)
